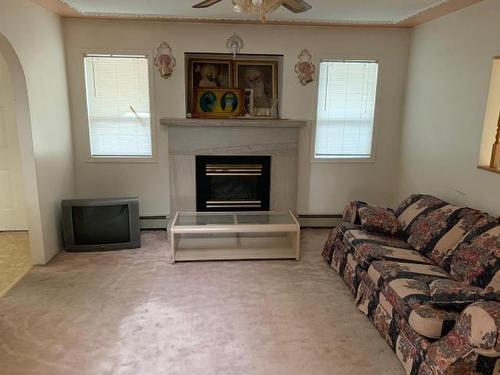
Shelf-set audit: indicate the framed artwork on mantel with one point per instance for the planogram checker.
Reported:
(262, 78)
(257, 76)
(207, 73)
(218, 103)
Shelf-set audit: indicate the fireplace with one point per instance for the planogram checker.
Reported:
(232, 183)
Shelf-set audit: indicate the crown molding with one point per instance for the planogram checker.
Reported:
(58, 7)
(436, 11)
(62, 8)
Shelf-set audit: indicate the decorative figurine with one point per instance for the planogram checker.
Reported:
(304, 68)
(164, 60)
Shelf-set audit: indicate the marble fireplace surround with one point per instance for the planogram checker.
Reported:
(190, 137)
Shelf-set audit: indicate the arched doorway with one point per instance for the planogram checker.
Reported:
(27, 175)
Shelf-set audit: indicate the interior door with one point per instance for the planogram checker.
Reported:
(12, 207)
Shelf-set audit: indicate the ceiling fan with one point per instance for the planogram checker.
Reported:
(260, 7)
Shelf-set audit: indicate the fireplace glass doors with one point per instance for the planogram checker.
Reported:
(232, 183)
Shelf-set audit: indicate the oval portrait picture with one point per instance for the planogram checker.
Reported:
(208, 101)
(229, 102)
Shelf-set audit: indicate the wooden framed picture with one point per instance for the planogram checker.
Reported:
(262, 78)
(218, 103)
(207, 73)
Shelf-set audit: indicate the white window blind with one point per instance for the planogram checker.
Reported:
(346, 106)
(118, 105)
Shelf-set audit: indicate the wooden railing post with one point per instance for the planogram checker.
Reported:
(495, 153)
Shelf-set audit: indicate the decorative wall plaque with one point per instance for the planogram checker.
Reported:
(304, 68)
(164, 60)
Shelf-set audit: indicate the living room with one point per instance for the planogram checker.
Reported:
(430, 107)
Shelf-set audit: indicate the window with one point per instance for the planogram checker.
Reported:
(118, 105)
(346, 106)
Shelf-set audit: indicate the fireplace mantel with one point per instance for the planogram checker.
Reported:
(233, 122)
(188, 138)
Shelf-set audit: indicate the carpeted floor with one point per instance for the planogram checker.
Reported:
(131, 312)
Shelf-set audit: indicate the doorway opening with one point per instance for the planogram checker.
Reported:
(15, 258)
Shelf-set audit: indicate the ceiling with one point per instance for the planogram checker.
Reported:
(366, 12)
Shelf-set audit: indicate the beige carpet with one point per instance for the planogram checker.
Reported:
(14, 258)
(131, 312)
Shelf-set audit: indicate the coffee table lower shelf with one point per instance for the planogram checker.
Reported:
(242, 248)
(234, 236)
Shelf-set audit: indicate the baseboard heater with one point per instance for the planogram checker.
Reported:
(319, 220)
(154, 222)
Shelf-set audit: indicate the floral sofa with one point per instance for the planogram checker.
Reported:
(428, 277)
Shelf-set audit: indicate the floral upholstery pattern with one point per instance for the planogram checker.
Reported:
(468, 219)
(415, 206)
(354, 237)
(379, 220)
(428, 228)
(477, 262)
(451, 293)
(417, 297)
(367, 252)
(478, 327)
(409, 298)
(382, 272)
(350, 214)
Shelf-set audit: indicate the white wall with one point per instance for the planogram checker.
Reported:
(324, 187)
(448, 83)
(35, 36)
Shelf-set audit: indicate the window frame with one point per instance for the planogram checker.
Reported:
(342, 160)
(148, 55)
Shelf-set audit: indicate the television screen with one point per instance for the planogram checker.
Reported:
(101, 224)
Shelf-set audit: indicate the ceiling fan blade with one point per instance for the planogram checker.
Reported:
(296, 6)
(206, 3)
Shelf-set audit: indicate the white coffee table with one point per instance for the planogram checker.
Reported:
(234, 235)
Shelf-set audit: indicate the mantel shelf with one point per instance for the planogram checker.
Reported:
(233, 122)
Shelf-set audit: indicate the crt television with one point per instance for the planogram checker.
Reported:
(100, 224)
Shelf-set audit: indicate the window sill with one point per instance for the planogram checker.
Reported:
(118, 159)
(370, 160)
(489, 169)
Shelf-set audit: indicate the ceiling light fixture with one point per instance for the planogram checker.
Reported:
(261, 8)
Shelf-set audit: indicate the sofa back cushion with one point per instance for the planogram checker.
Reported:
(439, 231)
(476, 259)
(414, 206)
(428, 228)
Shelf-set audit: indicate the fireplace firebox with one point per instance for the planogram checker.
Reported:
(233, 183)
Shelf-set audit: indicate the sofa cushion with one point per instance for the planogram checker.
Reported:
(354, 236)
(468, 219)
(383, 272)
(477, 262)
(454, 294)
(414, 206)
(409, 298)
(379, 220)
(427, 229)
(366, 252)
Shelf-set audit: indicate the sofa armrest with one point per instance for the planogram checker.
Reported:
(350, 214)
(477, 330)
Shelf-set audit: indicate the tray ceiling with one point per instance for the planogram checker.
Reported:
(381, 12)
